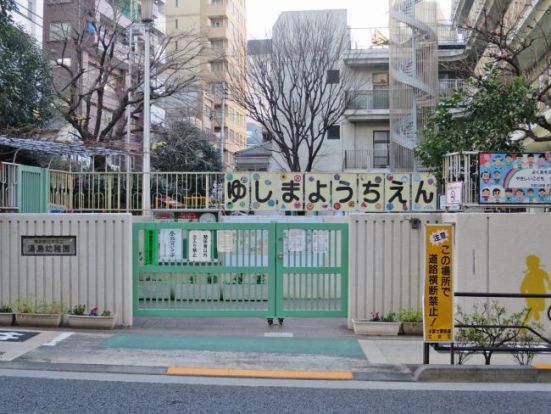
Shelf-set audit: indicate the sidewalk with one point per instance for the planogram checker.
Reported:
(301, 348)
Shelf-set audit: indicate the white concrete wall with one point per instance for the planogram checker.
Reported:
(491, 251)
(385, 263)
(100, 274)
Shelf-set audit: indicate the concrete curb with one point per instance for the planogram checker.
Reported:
(480, 373)
(110, 369)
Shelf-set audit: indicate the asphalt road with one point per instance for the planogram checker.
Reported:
(43, 392)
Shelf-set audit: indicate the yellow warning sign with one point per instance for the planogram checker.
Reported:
(438, 306)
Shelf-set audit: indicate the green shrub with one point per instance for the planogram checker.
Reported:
(51, 308)
(6, 308)
(389, 317)
(106, 313)
(478, 335)
(410, 315)
(25, 306)
(78, 310)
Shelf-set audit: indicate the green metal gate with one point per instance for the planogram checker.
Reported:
(33, 191)
(246, 269)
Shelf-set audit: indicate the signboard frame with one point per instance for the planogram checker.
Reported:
(438, 310)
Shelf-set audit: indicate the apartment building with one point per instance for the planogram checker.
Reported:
(29, 16)
(222, 25)
(93, 53)
(374, 134)
(407, 68)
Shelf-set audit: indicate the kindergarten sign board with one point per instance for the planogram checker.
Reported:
(514, 178)
(365, 192)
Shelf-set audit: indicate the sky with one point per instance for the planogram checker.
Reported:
(262, 14)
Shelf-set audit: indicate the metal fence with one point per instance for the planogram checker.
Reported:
(463, 166)
(119, 191)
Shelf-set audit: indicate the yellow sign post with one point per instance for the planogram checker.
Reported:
(438, 298)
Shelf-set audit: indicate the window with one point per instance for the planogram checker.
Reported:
(334, 132)
(112, 84)
(332, 76)
(217, 22)
(175, 23)
(217, 66)
(381, 142)
(380, 80)
(106, 117)
(59, 31)
(217, 44)
(216, 2)
(62, 62)
(176, 4)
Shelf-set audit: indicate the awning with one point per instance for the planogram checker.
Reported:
(51, 147)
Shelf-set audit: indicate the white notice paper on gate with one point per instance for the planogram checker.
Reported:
(225, 241)
(320, 241)
(199, 246)
(296, 240)
(170, 245)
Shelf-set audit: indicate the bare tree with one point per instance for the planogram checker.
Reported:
(504, 42)
(297, 84)
(91, 65)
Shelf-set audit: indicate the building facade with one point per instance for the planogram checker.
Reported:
(29, 16)
(222, 26)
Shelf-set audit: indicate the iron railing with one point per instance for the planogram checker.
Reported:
(8, 186)
(544, 345)
(119, 191)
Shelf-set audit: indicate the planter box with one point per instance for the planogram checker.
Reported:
(38, 319)
(376, 328)
(245, 292)
(197, 292)
(412, 328)
(6, 319)
(91, 322)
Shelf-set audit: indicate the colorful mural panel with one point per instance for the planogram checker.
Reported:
(515, 178)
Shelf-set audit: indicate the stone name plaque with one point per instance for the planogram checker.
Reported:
(48, 245)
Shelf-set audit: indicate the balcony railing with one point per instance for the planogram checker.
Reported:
(358, 159)
(447, 87)
(368, 99)
(365, 159)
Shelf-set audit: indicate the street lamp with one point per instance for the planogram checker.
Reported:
(147, 19)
